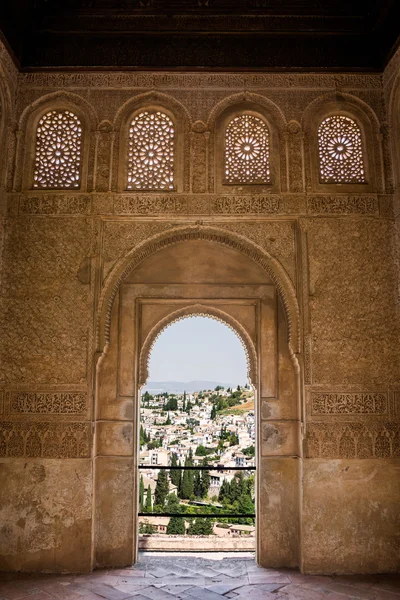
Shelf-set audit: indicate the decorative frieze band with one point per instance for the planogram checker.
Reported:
(329, 403)
(198, 204)
(45, 440)
(53, 403)
(339, 205)
(154, 80)
(55, 204)
(353, 440)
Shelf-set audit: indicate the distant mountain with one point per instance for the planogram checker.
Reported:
(178, 387)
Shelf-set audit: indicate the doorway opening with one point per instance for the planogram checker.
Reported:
(197, 442)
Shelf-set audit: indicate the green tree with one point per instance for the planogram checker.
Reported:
(147, 528)
(161, 491)
(175, 474)
(187, 488)
(205, 480)
(141, 494)
(201, 450)
(201, 527)
(176, 526)
(148, 506)
(213, 412)
(249, 451)
(168, 421)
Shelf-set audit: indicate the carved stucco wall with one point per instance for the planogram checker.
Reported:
(338, 249)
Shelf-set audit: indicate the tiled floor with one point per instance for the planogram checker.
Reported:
(199, 577)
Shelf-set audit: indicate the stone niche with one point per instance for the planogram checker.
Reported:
(304, 272)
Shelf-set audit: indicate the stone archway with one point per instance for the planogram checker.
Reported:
(192, 271)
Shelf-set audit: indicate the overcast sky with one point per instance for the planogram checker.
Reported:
(198, 348)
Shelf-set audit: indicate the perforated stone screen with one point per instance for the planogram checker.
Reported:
(340, 151)
(58, 151)
(151, 152)
(247, 159)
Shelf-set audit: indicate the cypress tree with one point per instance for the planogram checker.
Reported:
(175, 474)
(205, 480)
(161, 491)
(141, 494)
(148, 507)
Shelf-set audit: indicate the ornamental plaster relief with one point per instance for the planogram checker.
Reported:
(185, 205)
(46, 301)
(28, 403)
(45, 440)
(353, 440)
(354, 321)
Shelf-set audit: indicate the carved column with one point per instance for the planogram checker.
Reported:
(294, 140)
(104, 139)
(199, 137)
(385, 132)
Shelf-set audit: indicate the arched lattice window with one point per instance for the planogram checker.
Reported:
(58, 151)
(247, 151)
(151, 152)
(340, 151)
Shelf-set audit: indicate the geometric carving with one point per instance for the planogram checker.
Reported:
(56, 205)
(238, 205)
(247, 151)
(45, 440)
(151, 152)
(58, 151)
(128, 205)
(337, 205)
(323, 403)
(353, 440)
(340, 151)
(67, 403)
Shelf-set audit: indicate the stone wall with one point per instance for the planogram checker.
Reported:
(335, 245)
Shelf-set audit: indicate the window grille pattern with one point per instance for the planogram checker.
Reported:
(151, 152)
(58, 151)
(247, 151)
(340, 151)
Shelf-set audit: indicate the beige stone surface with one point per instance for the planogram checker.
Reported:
(45, 515)
(351, 517)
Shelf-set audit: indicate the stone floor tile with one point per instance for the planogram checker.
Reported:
(132, 588)
(59, 591)
(255, 577)
(387, 586)
(361, 581)
(227, 586)
(257, 595)
(107, 591)
(203, 594)
(265, 587)
(158, 572)
(351, 591)
(177, 590)
(157, 594)
(176, 580)
(12, 591)
(39, 596)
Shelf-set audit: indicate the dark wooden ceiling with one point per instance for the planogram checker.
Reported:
(338, 35)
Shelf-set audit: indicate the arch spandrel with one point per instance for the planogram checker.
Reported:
(137, 255)
(197, 310)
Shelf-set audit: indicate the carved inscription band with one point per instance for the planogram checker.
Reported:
(63, 403)
(353, 440)
(326, 403)
(196, 204)
(45, 440)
